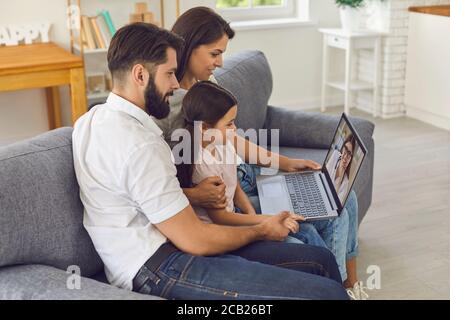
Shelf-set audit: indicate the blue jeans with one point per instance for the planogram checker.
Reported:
(341, 234)
(338, 234)
(261, 270)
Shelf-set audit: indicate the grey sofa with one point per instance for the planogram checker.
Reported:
(41, 215)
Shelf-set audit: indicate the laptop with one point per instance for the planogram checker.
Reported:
(317, 194)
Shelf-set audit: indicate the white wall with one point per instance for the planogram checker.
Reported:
(294, 54)
(394, 59)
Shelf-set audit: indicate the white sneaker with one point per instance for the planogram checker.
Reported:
(357, 292)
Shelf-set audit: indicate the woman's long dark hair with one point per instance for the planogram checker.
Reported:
(352, 141)
(198, 26)
(206, 102)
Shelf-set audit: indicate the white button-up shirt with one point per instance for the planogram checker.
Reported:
(128, 183)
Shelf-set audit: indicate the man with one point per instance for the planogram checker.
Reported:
(141, 223)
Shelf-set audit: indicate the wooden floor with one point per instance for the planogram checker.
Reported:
(407, 229)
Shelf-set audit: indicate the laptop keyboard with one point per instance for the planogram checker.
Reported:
(305, 195)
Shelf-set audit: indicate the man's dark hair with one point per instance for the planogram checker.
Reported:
(140, 43)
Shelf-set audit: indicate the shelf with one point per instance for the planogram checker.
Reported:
(90, 51)
(355, 85)
(96, 96)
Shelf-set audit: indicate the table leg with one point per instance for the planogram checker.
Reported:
(376, 85)
(324, 74)
(78, 93)
(348, 77)
(53, 107)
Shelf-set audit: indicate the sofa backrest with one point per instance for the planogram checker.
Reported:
(248, 76)
(41, 215)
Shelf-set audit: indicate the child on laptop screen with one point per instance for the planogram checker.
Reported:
(209, 112)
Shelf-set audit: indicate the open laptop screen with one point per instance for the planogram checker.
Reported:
(344, 160)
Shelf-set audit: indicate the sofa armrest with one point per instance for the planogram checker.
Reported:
(38, 282)
(311, 129)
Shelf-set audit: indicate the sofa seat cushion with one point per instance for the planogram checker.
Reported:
(38, 282)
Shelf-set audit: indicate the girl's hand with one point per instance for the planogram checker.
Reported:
(291, 222)
(293, 165)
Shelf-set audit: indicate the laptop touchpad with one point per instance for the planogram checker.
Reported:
(272, 189)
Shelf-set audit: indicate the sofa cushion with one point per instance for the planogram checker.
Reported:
(38, 282)
(41, 216)
(247, 75)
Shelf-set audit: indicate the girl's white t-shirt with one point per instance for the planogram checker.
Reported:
(224, 165)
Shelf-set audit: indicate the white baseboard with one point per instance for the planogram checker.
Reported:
(393, 115)
(430, 118)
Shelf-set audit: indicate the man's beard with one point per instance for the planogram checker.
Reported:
(155, 103)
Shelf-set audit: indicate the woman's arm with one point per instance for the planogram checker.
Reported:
(253, 153)
(242, 201)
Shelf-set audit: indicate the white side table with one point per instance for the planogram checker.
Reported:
(351, 42)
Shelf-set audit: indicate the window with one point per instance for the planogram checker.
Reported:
(238, 10)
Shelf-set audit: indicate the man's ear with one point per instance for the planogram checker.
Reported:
(139, 74)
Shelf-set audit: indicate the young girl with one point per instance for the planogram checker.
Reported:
(209, 112)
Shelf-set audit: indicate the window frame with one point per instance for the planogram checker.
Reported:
(287, 10)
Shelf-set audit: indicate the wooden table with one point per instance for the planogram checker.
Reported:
(45, 65)
(443, 10)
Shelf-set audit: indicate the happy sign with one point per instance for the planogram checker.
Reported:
(12, 34)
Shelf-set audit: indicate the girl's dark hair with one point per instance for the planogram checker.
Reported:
(352, 141)
(198, 26)
(140, 43)
(206, 102)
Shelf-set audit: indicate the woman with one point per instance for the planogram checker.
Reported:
(206, 36)
(339, 166)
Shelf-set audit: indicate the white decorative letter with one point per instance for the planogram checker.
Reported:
(44, 28)
(31, 33)
(16, 34)
(4, 36)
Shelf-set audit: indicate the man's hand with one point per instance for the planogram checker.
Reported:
(293, 165)
(277, 228)
(209, 194)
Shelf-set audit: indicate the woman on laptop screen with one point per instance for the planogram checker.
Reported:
(339, 166)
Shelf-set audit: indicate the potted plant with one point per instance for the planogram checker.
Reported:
(378, 15)
(351, 12)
